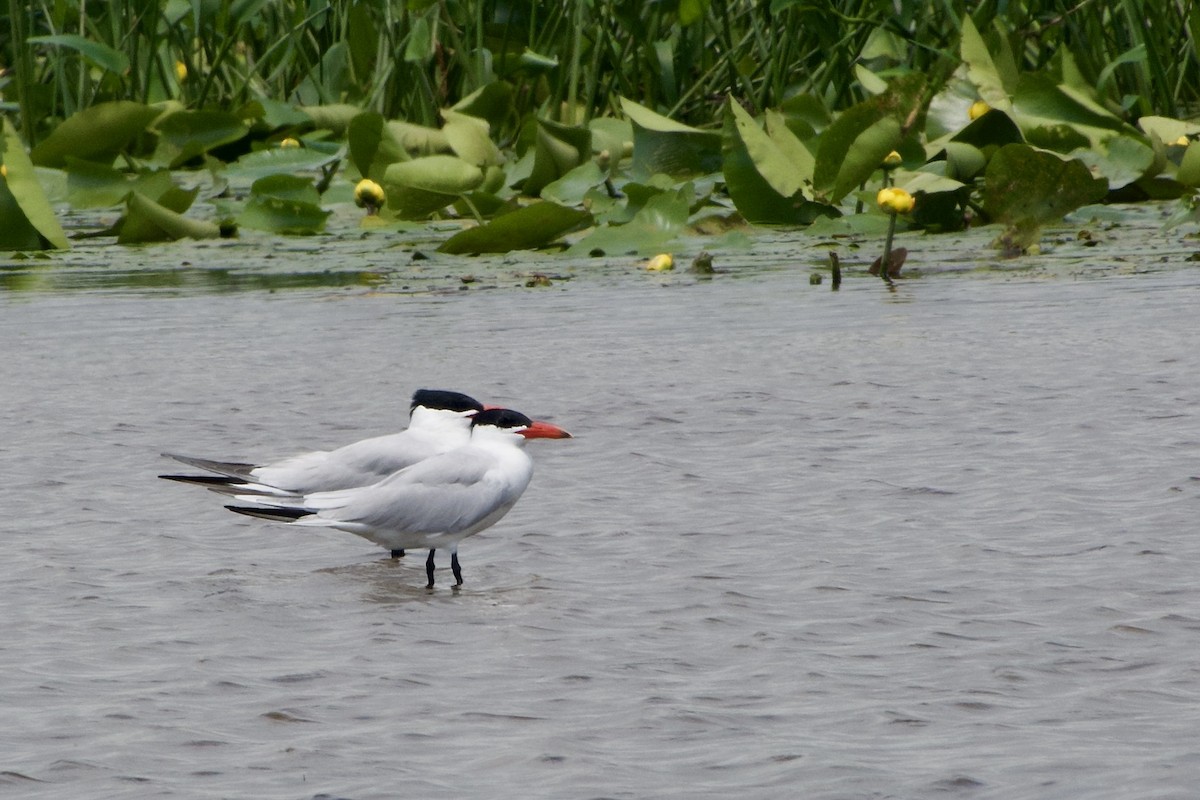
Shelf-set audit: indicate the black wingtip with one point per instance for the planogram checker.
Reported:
(273, 514)
(203, 480)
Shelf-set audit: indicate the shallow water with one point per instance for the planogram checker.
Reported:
(937, 542)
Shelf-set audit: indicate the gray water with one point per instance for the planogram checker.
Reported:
(937, 542)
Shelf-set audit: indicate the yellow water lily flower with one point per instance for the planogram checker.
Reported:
(895, 201)
(892, 160)
(1183, 141)
(661, 263)
(289, 142)
(978, 109)
(3, 171)
(369, 195)
(181, 71)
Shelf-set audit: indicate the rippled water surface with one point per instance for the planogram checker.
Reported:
(940, 542)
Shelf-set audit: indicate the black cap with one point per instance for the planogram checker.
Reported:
(442, 400)
(502, 418)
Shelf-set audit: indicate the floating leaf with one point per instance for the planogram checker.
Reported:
(1120, 160)
(853, 147)
(526, 228)
(99, 133)
(772, 165)
(284, 204)
(661, 145)
(448, 175)
(25, 214)
(92, 185)
(492, 102)
(149, 221)
(982, 69)
(468, 138)
(559, 149)
(185, 135)
(335, 117)
(571, 188)
(1026, 185)
(655, 225)
(278, 160)
(1189, 168)
(373, 146)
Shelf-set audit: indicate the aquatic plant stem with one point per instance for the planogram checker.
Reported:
(885, 264)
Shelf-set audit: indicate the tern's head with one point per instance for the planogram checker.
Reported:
(516, 422)
(443, 400)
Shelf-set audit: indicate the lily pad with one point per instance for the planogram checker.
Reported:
(278, 160)
(26, 215)
(468, 138)
(1025, 185)
(91, 185)
(99, 133)
(854, 146)
(526, 228)
(559, 149)
(284, 204)
(373, 145)
(185, 135)
(441, 174)
(661, 145)
(492, 102)
(148, 220)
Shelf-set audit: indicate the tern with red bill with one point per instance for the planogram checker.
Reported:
(434, 504)
(439, 421)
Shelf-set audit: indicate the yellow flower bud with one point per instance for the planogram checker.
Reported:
(1183, 141)
(289, 142)
(895, 201)
(892, 160)
(369, 195)
(978, 109)
(181, 71)
(4, 171)
(661, 263)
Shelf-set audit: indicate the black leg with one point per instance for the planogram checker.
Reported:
(397, 554)
(455, 568)
(429, 567)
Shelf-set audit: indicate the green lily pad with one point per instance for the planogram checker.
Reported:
(559, 149)
(763, 183)
(468, 139)
(1024, 186)
(492, 102)
(570, 189)
(26, 216)
(91, 185)
(657, 223)
(335, 117)
(1189, 168)
(278, 160)
(526, 228)
(854, 146)
(373, 145)
(991, 77)
(1120, 160)
(99, 133)
(284, 204)
(148, 220)
(185, 135)
(661, 145)
(440, 174)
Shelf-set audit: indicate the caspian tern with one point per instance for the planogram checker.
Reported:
(439, 421)
(433, 504)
